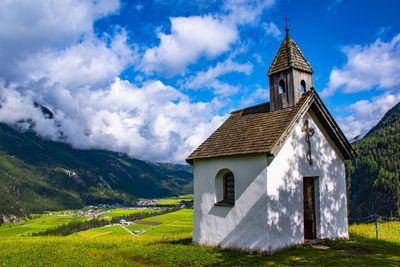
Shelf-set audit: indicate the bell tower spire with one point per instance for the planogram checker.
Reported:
(290, 74)
(287, 28)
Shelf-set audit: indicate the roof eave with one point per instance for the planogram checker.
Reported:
(191, 159)
(326, 120)
(288, 68)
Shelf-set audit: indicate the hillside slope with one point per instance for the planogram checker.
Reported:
(38, 175)
(373, 177)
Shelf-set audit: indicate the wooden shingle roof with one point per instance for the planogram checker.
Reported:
(289, 56)
(256, 130)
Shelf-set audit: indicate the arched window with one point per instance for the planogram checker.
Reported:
(303, 85)
(225, 188)
(229, 188)
(281, 87)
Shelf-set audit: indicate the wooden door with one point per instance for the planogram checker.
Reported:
(309, 208)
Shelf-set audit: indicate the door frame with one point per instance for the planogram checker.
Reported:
(311, 181)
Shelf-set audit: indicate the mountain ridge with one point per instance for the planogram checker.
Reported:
(38, 175)
(373, 177)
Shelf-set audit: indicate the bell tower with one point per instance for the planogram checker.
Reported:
(290, 75)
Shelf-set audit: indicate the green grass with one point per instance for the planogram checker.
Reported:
(38, 223)
(123, 212)
(171, 216)
(169, 244)
(172, 223)
(41, 222)
(389, 231)
(174, 200)
(115, 230)
(172, 250)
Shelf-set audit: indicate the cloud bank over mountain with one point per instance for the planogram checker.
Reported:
(153, 79)
(51, 55)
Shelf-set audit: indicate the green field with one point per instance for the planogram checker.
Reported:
(124, 212)
(169, 244)
(174, 200)
(172, 223)
(39, 222)
(115, 230)
(389, 231)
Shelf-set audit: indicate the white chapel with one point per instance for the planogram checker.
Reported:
(273, 175)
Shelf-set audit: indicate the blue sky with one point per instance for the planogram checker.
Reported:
(153, 79)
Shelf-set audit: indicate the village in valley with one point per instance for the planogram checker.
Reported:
(98, 210)
(106, 211)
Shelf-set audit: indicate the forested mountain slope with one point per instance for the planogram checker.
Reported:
(373, 176)
(38, 175)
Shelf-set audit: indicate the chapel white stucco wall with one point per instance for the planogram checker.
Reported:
(235, 227)
(285, 188)
(268, 211)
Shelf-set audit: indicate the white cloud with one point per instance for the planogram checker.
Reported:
(155, 122)
(190, 38)
(196, 36)
(208, 79)
(244, 11)
(260, 95)
(366, 114)
(91, 62)
(29, 27)
(373, 65)
(73, 72)
(272, 29)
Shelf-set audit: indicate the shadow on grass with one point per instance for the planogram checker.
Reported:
(380, 252)
(182, 241)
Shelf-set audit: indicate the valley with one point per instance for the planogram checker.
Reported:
(36, 223)
(39, 175)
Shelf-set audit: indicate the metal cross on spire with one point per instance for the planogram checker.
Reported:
(286, 18)
(287, 28)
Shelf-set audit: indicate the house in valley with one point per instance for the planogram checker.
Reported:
(273, 175)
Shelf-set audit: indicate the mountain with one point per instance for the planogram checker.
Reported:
(38, 175)
(373, 176)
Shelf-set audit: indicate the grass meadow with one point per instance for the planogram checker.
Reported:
(39, 222)
(178, 222)
(123, 212)
(168, 243)
(174, 200)
(387, 231)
